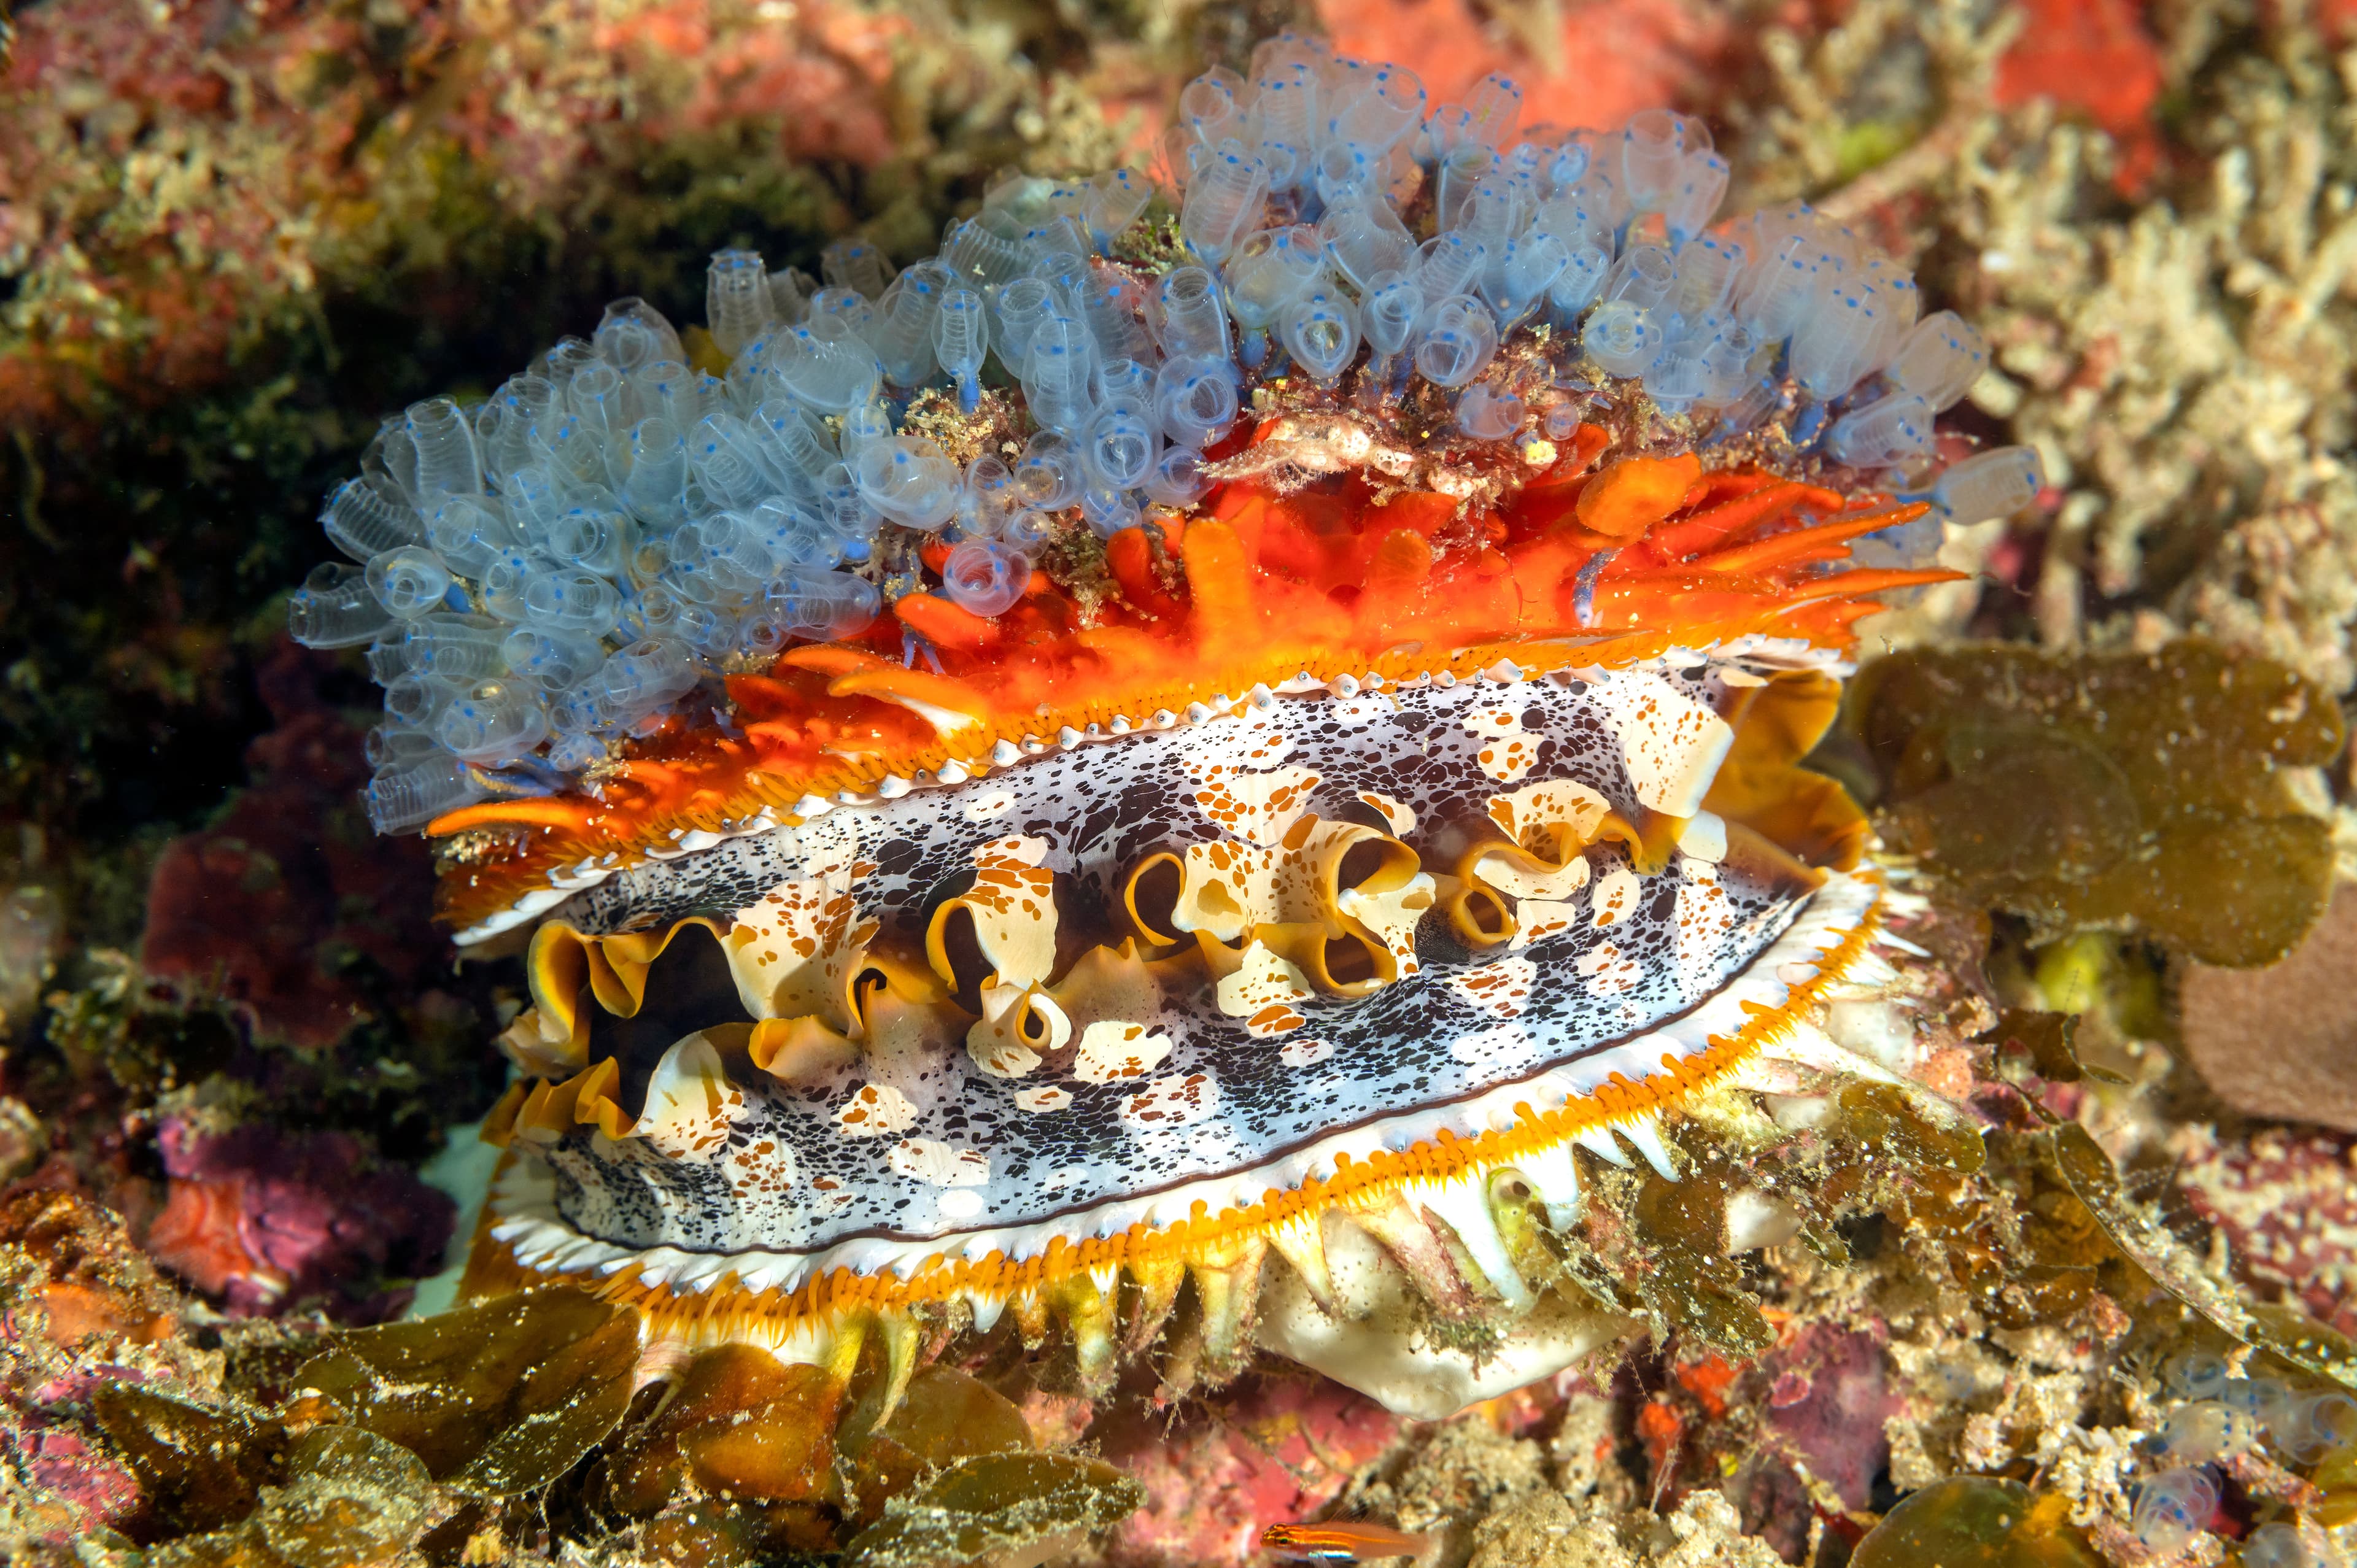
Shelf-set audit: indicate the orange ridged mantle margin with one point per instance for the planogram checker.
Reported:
(1207, 1239)
(1603, 568)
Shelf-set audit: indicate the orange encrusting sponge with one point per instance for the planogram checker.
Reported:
(1580, 568)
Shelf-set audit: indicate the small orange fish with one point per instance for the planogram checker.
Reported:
(1343, 1540)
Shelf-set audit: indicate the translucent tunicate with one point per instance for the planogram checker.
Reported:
(552, 661)
(985, 577)
(1385, 105)
(448, 464)
(823, 607)
(506, 423)
(1653, 146)
(1522, 275)
(1620, 337)
(1365, 237)
(412, 793)
(1448, 128)
(2278, 1545)
(1459, 342)
(384, 656)
(1108, 512)
(1708, 267)
(1582, 279)
(569, 601)
(1130, 383)
(791, 536)
(1196, 400)
(1496, 212)
(602, 400)
(2173, 1508)
(1109, 304)
(1268, 271)
(1390, 312)
(1320, 330)
(658, 472)
(865, 425)
(636, 680)
(1996, 484)
(2331, 1421)
(1833, 345)
(418, 698)
(571, 449)
(903, 335)
(335, 609)
(961, 340)
(1942, 357)
(1118, 449)
(1450, 263)
(1188, 319)
(1049, 478)
(1494, 108)
(669, 390)
(736, 304)
(469, 532)
(799, 441)
(979, 255)
(855, 264)
(363, 521)
(2203, 1431)
(1884, 434)
(837, 315)
(633, 333)
(1022, 305)
(1284, 106)
(1486, 413)
(596, 541)
(2196, 1374)
(831, 374)
(1177, 479)
(908, 478)
(709, 630)
(989, 496)
(502, 582)
(568, 356)
(1208, 106)
(1571, 162)
(1114, 199)
(1055, 378)
(1576, 217)
(1695, 193)
(1728, 362)
(1676, 378)
(1897, 302)
(390, 744)
(454, 647)
(726, 460)
(1645, 276)
(1461, 172)
(408, 582)
(493, 722)
(1223, 200)
(1774, 296)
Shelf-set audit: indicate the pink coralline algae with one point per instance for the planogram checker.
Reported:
(267, 1220)
(1274, 1447)
(260, 907)
(2284, 1202)
(1829, 1394)
(79, 1485)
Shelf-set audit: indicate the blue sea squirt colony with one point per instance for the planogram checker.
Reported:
(569, 563)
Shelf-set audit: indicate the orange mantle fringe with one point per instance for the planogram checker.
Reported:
(1586, 566)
